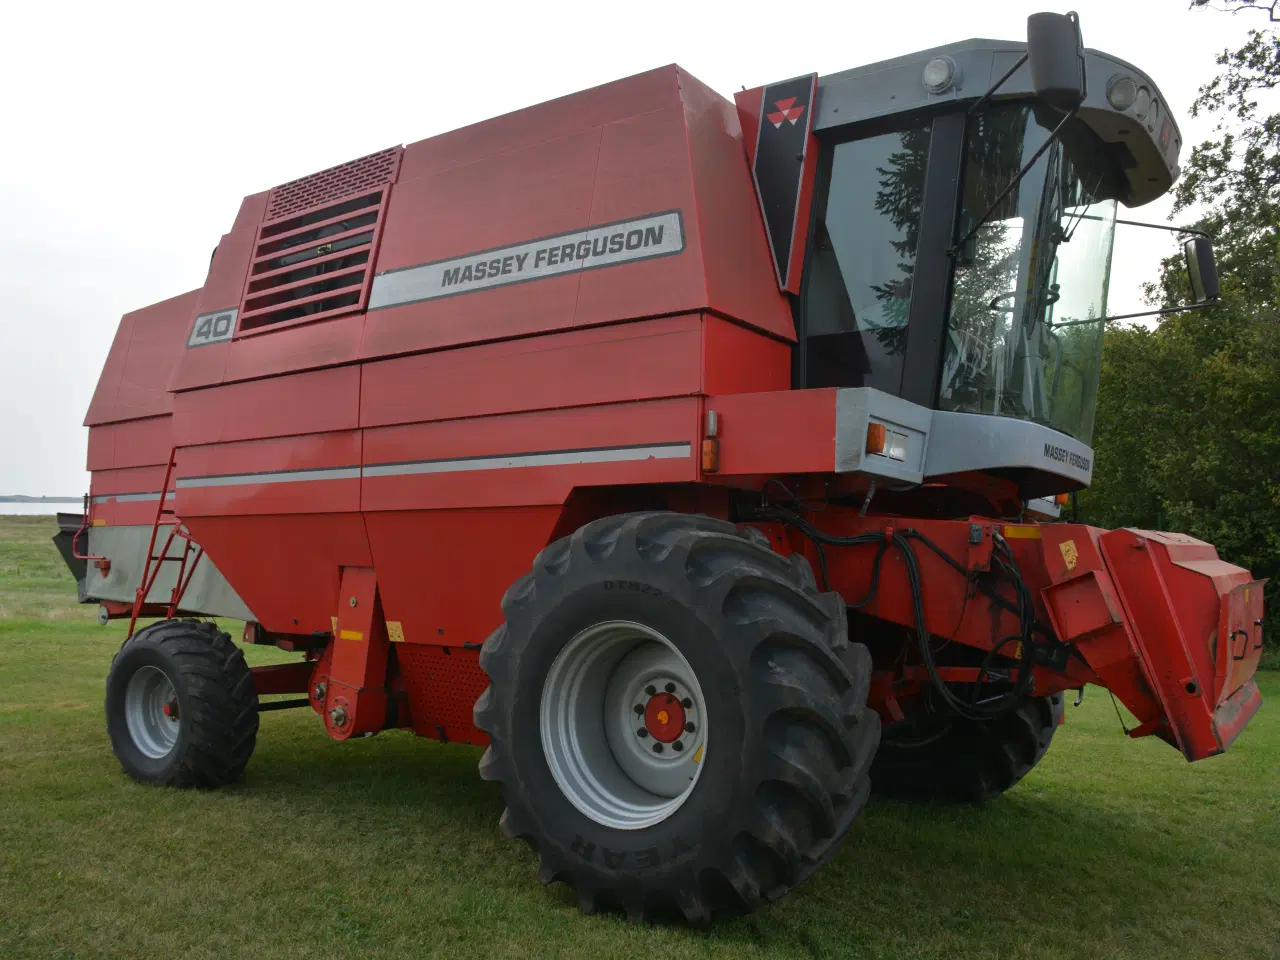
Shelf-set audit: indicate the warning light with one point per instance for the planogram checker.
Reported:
(710, 455)
(875, 438)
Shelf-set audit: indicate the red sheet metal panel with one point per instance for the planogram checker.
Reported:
(493, 201)
(760, 434)
(309, 347)
(442, 573)
(633, 361)
(738, 360)
(644, 168)
(748, 104)
(270, 476)
(1199, 637)
(285, 567)
(305, 403)
(127, 496)
(140, 443)
(659, 144)
(102, 404)
(735, 250)
(498, 461)
(204, 365)
(134, 380)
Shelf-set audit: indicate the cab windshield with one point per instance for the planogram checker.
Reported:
(1024, 332)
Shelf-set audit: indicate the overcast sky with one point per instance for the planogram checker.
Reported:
(131, 132)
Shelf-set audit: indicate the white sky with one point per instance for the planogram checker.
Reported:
(131, 131)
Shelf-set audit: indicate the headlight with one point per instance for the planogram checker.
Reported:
(1121, 92)
(939, 74)
(1142, 104)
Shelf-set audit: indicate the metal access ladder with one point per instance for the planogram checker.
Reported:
(187, 561)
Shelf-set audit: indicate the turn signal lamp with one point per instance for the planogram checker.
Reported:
(711, 443)
(1062, 499)
(876, 438)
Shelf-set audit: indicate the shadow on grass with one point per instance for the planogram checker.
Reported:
(912, 868)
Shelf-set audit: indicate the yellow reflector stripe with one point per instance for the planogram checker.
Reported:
(350, 635)
(1027, 532)
(99, 523)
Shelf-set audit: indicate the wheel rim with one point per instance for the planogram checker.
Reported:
(151, 712)
(624, 724)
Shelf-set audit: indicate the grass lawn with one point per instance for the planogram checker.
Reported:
(389, 847)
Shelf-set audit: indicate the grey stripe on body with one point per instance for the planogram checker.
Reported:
(656, 451)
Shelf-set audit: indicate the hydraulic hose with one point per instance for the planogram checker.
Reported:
(1023, 606)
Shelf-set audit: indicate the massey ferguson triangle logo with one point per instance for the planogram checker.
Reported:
(787, 110)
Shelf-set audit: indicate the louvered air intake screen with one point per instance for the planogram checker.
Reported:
(314, 253)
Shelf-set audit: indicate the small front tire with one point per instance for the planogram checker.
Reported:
(181, 706)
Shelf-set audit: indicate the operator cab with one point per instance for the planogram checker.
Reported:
(935, 273)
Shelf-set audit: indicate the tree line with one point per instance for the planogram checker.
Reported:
(1188, 426)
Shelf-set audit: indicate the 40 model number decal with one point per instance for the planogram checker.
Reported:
(213, 327)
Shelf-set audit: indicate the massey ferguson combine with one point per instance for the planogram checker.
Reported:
(676, 450)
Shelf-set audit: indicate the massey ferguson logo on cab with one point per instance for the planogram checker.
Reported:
(1063, 455)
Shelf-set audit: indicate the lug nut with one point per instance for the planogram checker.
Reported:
(689, 728)
(657, 748)
(677, 745)
(642, 733)
(687, 703)
(651, 690)
(337, 716)
(639, 709)
(671, 688)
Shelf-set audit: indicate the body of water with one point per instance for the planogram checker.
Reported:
(37, 509)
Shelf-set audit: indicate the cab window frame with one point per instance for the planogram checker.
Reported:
(931, 276)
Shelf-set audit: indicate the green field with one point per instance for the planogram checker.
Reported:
(389, 847)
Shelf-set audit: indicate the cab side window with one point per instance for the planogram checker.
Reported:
(857, 295)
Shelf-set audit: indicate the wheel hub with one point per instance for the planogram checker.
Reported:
(664, 717)
(151, 712)
(623, 724)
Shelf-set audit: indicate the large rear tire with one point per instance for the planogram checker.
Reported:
(954, 759)
(642, 631)
(181, 706)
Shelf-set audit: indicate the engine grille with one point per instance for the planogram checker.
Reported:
(314, 254)
(346, 179)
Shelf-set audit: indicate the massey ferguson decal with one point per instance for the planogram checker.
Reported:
(785, 120)
(656, 235)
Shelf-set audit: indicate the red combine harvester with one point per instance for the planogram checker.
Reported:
(678, 451)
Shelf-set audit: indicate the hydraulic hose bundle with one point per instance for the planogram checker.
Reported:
(1023, 605)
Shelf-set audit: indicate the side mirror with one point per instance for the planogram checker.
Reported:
(1202, 269)
(1055, 54)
